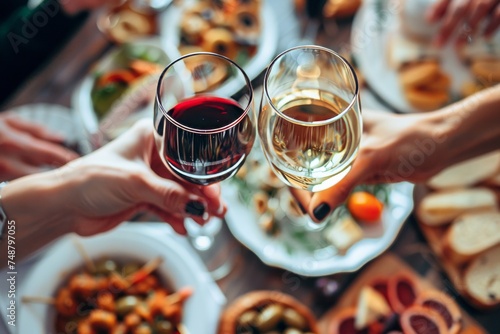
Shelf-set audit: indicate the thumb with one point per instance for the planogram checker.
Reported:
(323, 202)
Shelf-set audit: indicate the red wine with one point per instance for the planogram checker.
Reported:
(205, 158)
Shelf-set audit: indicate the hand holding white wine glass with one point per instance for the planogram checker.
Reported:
(204, 125)
(310, 120)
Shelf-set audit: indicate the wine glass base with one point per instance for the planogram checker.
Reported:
(210, 245)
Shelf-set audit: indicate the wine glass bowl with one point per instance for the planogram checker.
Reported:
(310, 117)
(204, 123)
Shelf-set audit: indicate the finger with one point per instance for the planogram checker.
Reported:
(323, 202)
(303, 198)
(216, 205)
(494, 23)
(172, 197)
(437, 11)
(175, 221)
(11, 168)
(40, 152)
(34, 129)
(478, 12)
(454, 15)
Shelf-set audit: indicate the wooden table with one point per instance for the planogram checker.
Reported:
(56, 83)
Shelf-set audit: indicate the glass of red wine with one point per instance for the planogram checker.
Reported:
(204, 124)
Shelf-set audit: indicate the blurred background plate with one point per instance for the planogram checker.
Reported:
(136, 100)
(307, 253)
(139, 242)
(375, 23)
(267, 43)
(59, 120)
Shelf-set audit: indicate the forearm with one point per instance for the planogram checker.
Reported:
(35, 205)
(466, 129)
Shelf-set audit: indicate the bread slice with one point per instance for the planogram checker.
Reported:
(419, 73)
(439, 208)
(467, 173)
(471, 234)
(424, 99)
(482, 278)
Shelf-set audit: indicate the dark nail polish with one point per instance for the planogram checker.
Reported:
(195, 208)
(321, 211)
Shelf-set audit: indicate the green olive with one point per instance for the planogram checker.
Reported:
(269, 317)
(294, 319)
(164, 327)
(247, 318)
(105, 267)
(126, 304)
(293, 331)
(129, 269)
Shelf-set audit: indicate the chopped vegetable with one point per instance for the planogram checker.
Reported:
(119, 75)
(365, 207)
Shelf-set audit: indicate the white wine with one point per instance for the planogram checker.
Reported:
(311, 148)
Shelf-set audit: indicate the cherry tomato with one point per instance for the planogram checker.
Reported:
(365, 207)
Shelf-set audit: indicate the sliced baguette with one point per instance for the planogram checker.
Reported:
(482, 278)
(467, 173)
(471, 234)
(442, 207)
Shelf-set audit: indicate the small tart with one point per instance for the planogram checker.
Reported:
(256, 301)
(421, 320)
(246, 25)
(445, 306)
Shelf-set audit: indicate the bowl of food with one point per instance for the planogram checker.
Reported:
(242, 30)
(267, 312)
(120, 88)
(130, 279)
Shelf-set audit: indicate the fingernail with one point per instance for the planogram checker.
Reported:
(321, 211)
(195, 208)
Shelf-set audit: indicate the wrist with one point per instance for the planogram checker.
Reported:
(39, 201)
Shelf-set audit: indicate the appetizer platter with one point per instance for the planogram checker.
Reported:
(244, 31)
(390, 297)
(458, 213)
(392, 46)
(264, 217)
(120, 88)
(108, 282)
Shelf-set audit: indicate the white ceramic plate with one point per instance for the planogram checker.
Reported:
(307, 253)
(266, 48)
(114, 126)
(140, 242)
(374, 25)
(57, 119)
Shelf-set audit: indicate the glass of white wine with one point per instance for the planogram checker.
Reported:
(310, 118)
